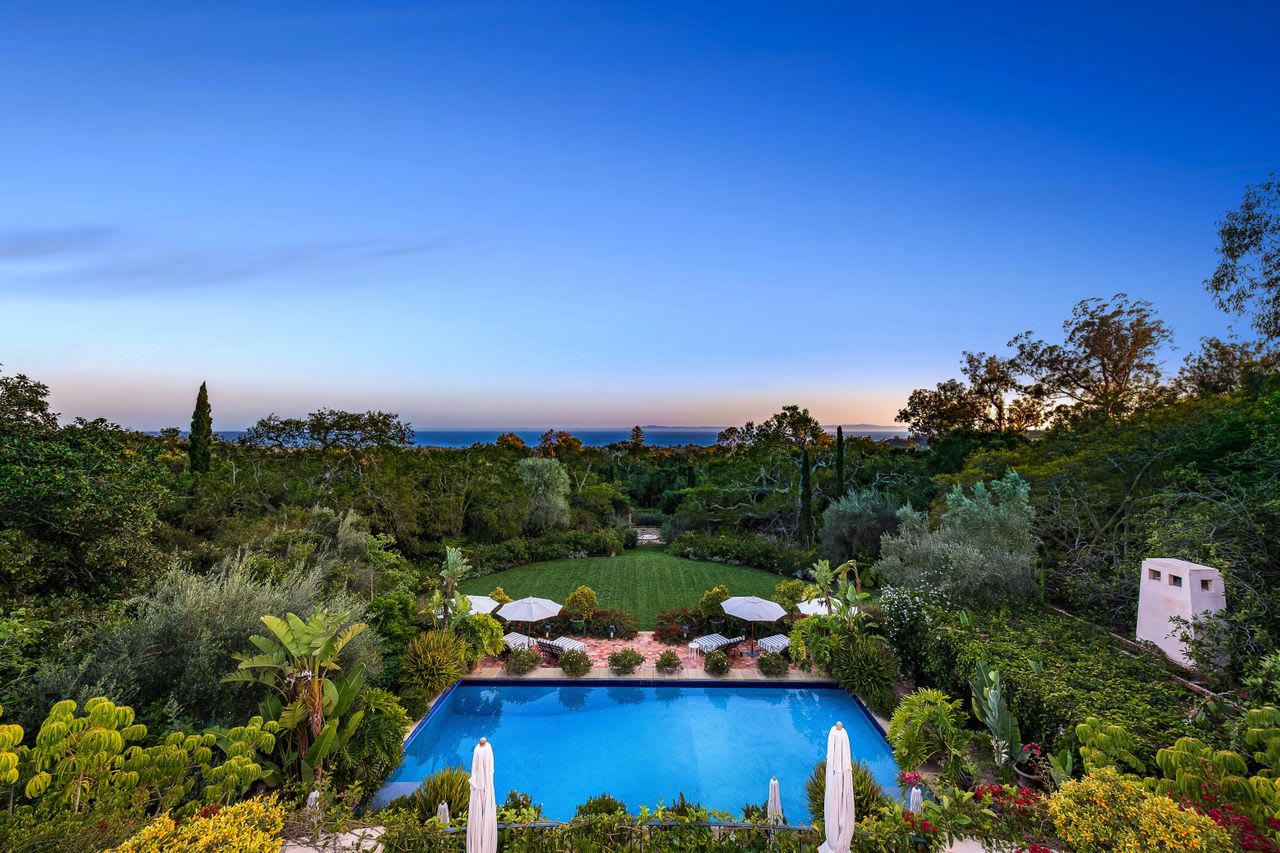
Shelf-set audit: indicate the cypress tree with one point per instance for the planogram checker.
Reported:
(806, 500)
(201, 439)
(839, 462)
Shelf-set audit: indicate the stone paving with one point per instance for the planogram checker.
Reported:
(743, 665)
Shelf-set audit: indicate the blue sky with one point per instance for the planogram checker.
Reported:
(597, 214)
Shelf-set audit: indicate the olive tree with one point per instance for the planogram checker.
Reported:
(983, 552)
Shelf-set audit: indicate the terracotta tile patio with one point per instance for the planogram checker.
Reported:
(743, 665)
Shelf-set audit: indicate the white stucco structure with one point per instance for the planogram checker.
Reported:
(1170, 588)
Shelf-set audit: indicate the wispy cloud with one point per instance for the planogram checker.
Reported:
(103, 261)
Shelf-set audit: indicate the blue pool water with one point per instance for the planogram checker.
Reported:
(717, 745)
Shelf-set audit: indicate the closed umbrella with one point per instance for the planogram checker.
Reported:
(442, 812)
(915, 800)
(529, 610)
(482, 813)
(750, 608)
(774, 809)
(837, 803)
(482, 604)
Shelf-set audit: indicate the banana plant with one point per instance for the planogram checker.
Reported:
(296, 662)
(991, 709)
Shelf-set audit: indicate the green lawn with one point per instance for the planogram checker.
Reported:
(642, 581)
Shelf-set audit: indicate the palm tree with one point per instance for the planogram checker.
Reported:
(296, 662)
(455, 568)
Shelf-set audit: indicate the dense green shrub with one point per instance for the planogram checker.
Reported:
(710, 605)
(625, 661)
(668, 662)
(521, 661)
(750, 549)
(852, 526)
(581, 603)
(716, 663)
(928, 725)
(377, 745)
(451, 785)
(562, 545)
(625, 625)
(789, 593)
(648, 518)
(432, 661)
(601, 804)
(630, 539)
(866, 667)
(575, 664)
(772, 664)
(178, 644)
(415, 701)
(1057, 672)
(983, 551)
(481, 636)
(669, 625)
(867, 793)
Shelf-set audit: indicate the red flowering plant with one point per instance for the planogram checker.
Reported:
(1023, 811)
(1246, 833)
(908, 779)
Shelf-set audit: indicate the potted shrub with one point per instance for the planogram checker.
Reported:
(716, 663)
(580, 604)
(521, 661)
(575, 664)
(668, 663)
(710, 606)
(624, 662)
(772, 664)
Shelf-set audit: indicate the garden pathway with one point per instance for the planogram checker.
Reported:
(743, 665)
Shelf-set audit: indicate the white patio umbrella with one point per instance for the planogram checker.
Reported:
(482, 813)
(837, 804)
(774, 809)
(915, 800)
(482, 604)
(442, 812)
(529, 610)
(750, 608)
(813, 607)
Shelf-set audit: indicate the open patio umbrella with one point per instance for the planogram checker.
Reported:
(813, 607)
(774, 809)
(529, 610)
(482, 813)
(837, 802)
(482, 604)
(750, 608)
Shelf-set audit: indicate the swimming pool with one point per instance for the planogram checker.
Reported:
(562, 743)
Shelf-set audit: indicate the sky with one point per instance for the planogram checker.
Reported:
(597, 214)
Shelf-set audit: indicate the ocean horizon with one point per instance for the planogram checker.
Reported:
(597, 437)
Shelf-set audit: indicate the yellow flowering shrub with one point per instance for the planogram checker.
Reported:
(250, 827)
(1105, 811)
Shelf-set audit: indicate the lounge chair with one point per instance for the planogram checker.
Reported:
(776, 644)
(560, 645)
(709, 643)
(515, 641)
(731, 645)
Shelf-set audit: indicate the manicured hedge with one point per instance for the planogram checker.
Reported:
(497, 557)
(748, 549)
(1082, 673)
(598, 625)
